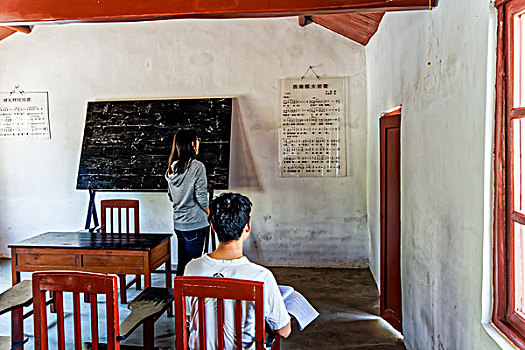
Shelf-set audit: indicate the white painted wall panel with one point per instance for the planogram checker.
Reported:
(315, 222)
(442, 166)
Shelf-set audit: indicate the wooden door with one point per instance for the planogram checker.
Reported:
(391, 308)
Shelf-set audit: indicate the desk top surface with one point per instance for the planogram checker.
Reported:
(97, 241)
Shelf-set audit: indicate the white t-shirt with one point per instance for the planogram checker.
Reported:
(274, 310)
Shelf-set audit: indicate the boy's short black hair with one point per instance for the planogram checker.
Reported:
(229, 214)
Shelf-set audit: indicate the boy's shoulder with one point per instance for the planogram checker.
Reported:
(240, 268)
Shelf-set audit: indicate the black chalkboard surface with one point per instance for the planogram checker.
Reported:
(126, 144)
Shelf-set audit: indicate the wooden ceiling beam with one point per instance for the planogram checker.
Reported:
(20, 12)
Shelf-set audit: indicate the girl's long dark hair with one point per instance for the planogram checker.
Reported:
(183, 151)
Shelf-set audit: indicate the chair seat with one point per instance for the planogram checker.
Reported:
(103, 346)
(152, 302)
(5, 343)
(21, 294)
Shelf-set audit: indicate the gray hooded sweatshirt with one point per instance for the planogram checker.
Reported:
(188, 193)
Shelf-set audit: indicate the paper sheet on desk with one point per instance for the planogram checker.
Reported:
(298, 306)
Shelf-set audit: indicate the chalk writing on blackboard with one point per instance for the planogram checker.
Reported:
(312, 133)
(24, 114)
(127, 143)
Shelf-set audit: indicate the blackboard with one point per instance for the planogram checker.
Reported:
(126, 144)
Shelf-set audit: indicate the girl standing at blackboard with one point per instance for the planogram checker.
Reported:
(187, 185)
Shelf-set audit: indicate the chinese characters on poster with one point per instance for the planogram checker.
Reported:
(24, 114)
(312, 135)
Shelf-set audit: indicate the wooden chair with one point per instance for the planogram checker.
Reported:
(91, 284)
(219, 289)
(109, 226)
(146, 308)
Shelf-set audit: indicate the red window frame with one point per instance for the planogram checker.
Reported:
(506, 272)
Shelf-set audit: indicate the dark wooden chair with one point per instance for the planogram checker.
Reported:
(17, 296)
(219, 289)
(121, 207)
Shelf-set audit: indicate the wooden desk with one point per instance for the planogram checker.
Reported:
(93, 252)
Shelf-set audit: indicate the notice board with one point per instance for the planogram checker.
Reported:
(126, 144)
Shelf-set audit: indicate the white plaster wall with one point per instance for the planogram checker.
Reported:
(316, 222)
(442, 166)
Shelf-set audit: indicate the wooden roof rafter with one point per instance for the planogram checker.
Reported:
(8, 30)
(22, 12)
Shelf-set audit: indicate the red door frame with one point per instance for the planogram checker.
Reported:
(390, 291)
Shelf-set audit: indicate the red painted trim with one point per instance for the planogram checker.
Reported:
(499, 183)
(517, 217)
(23, 11)
(517, 112)
(394, 112)
(499, 3)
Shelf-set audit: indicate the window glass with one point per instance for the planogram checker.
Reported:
(519, 264)
(518, 164)
(519, 62)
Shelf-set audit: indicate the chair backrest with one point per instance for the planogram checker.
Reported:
(120, 206)
(76, 283)
(220, 289)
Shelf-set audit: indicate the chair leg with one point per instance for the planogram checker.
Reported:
(138, 282)
(276, 343)
(122, 279)
(149, 334)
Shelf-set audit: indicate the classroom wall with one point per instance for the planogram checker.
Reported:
(314, 222)
(444, 155)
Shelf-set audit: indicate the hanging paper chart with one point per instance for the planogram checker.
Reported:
(312, 139)
(24, 114)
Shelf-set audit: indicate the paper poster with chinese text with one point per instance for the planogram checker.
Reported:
(312, 139)
(24, 114)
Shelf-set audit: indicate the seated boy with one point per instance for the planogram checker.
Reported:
(230, 219)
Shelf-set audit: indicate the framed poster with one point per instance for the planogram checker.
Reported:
(24, 114)
(312, 140)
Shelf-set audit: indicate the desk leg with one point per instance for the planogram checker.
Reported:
(168, 278)
(147, 278)
(17, 315)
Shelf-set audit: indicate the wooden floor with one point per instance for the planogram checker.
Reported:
(347, 300)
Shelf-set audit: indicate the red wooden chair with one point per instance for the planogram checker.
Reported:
(219, 289)
(75, 282)
(121, 206)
